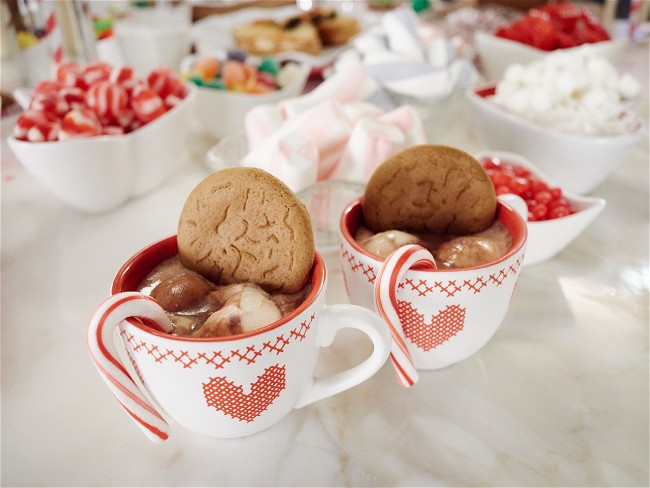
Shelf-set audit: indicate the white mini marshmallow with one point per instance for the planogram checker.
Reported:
(574, 91)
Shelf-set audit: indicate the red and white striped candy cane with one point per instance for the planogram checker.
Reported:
(99, 339)
(390, 274)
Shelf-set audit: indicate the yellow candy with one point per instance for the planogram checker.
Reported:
(26, 39)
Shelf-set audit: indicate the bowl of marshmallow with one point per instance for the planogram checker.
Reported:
(568, 112)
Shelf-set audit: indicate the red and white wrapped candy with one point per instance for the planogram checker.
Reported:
(96, 72)
(391, 273)
(123, 76)
(80, 123)
(70, 74)
(120, 101)
(146, 104)
(75, 97)
(165, 83)
(49, 102)
(37, 126)
(99, 339)
(107, 100)
(47, 86)
(113, 130)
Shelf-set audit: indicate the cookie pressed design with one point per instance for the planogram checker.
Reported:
(243, 225)
(430, 188)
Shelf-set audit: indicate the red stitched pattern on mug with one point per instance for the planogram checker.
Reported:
(357, 267)
(218, 359)
(447, 288)
(443, 326)
(227, 397)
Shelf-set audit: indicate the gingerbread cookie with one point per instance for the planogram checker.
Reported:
(244, 225)
(430, 188)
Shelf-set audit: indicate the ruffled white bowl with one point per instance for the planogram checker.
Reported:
(496, 53)
(546, 238)
(98, 174)
(220, 113)
(575, 162)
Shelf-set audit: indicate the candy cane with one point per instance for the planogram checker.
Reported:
(390, 274)
(99, 337)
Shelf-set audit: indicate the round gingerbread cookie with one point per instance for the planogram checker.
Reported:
(244, 225)
(430, 188)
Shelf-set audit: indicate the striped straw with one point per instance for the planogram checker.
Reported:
(99, 340)
(388, 279)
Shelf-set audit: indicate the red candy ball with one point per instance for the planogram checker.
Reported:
(49, 102)
(107, 100)
(165, 83)
(75, 97)
(37, 126)
(70, 74)
(543, 203)
(80, 123)
(47, 86)
(146, 104)
(96, 72)
(123, 76)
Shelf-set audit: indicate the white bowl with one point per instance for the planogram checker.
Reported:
(546, 238)
(577, 163)
(97, 174)
(496, 53)
(221, 113)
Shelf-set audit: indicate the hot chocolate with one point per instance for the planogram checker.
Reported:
(199, 308)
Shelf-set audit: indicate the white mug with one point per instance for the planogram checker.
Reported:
(437, 317)
(223, 386)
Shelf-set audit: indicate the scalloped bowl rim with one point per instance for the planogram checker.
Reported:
(519, 160)
(480, 36)
(187, 99)
(587, 209)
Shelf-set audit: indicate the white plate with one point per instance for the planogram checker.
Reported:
(215, 33)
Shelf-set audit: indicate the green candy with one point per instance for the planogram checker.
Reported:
(270, 65)
(217, 84)
(197, 80)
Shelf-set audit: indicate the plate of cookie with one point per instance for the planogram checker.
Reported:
(314, 37)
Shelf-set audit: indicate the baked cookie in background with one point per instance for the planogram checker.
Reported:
(308, 32)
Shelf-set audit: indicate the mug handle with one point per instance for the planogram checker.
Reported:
(336, 317)
(516, 202)
(99, 340)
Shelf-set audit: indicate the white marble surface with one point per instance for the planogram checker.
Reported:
(559, 397)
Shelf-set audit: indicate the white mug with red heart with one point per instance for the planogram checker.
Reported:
(437, 317)
(225, 386)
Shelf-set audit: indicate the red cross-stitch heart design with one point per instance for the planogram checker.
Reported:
(427, 336)
(229, 398)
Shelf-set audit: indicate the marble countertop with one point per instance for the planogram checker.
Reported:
(558, 397)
